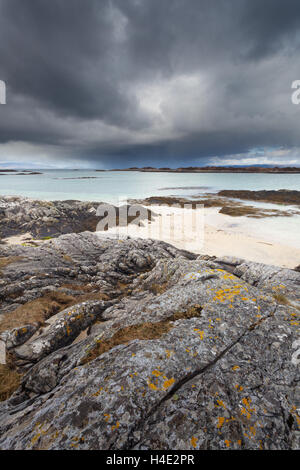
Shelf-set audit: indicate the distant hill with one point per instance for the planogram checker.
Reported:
(217, 169)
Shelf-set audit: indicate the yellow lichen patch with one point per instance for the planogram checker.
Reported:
(168, 383)
(235, 367)
(200, 333)
(246, 410)
(41, 432)
(227, 294)
(229, 276)
(68, 330)
(227, 442)
(152, 386)
(36, 438)
(96, 394)
(220, 403)
(220, 422)
(194, 442)
(157, 373)
(169, 353)
(115, 426)
(107, 417)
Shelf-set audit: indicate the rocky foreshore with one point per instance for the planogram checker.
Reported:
(39, 219)
(231, 202)
(45, 219)
(134, 344)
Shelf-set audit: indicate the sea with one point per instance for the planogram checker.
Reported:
(117, 186)
(109, 186)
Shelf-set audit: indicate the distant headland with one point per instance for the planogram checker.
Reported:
(213, 169)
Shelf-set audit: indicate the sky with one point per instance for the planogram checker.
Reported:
(122, 83)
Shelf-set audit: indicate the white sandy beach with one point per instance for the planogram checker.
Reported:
(205, 231)
(192, 232)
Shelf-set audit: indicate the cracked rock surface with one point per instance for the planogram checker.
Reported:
(184, 352)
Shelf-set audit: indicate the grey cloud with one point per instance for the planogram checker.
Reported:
(78, 74)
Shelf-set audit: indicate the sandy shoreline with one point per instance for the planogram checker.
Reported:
(210, 238)
(204, 231)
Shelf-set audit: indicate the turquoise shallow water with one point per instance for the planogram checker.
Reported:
(116, 186)
(109, 186)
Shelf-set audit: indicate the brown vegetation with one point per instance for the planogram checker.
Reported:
(281, 196)
(158, 288)
(9, 381)
(283, 300)
(143, 331)
(5, 261)
(39, 310)
(250, 211)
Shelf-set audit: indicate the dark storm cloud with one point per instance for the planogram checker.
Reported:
(118, 82)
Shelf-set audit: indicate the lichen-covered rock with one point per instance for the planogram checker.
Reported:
(17, 336)
(269, 278)
(68, 325)
(188, 353)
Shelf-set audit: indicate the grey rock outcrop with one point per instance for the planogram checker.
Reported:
(186, 352)
(19, 215)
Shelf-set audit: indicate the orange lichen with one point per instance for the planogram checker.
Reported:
(220, 422)
(194, 442)
(152, 386)
(246, 410)
(168, 383)
(115, 426)
(220, 403)
(200, 333)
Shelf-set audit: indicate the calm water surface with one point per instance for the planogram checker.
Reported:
(109, 186)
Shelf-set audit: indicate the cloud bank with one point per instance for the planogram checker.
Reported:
(117, 83)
